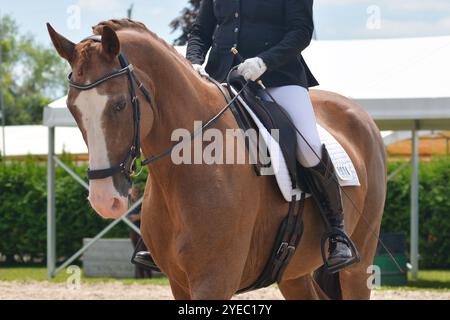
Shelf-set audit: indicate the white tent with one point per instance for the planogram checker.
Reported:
(402, 83)
(33, 140)
(398, 81)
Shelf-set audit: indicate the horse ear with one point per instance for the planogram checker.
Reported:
(63, 46)
(110, 42)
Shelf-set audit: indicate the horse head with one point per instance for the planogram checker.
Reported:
(107, 115)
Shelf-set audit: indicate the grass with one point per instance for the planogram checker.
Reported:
(40, 274)
(429, 280)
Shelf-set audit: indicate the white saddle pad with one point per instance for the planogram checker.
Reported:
(345, 169)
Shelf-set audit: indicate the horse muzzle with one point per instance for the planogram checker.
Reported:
(106, 201)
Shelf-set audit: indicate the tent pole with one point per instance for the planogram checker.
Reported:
(51, 208)
(414, 249)
(2, 104)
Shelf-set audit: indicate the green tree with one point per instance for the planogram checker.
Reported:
(185, 22)
(33, 75)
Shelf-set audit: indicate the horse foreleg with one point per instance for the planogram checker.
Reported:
(216, 279)
(179, 292)
(355, 281)
(303, 288)
(212, 287)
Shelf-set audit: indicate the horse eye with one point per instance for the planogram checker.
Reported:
(120, 106)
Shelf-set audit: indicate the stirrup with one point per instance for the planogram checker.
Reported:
(147, 264)
(334, 232)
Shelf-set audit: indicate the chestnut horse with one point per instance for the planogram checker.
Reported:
(210, 228)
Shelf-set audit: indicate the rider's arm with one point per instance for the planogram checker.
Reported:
(200, 38)
(300, 28)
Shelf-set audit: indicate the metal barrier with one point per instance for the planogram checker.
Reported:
(52, 162)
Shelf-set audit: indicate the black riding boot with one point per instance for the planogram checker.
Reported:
(323, 184)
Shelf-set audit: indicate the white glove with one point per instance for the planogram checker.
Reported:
(200, 70)
(252, 69)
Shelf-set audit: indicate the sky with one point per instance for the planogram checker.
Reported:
(334, 19)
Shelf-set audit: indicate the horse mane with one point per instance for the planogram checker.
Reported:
(128, 24)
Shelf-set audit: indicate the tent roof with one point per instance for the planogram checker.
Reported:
(383, 69)
(33, 140)
(400, 82)
(56, 114)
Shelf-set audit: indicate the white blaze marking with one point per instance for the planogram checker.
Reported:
(91, 105)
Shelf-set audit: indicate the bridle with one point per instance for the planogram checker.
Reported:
(128, 165)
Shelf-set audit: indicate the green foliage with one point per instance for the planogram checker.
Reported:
(33, 75)
(434, 211)
(185, 21)
(23, 208)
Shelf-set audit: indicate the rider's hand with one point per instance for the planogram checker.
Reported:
(200, 70)
(252, 69)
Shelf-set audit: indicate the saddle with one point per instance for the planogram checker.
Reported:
(272, 117)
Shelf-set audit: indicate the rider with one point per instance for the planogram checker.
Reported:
(271, 35)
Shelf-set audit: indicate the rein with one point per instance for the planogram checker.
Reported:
(205, 126)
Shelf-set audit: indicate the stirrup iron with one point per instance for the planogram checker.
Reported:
(356, 257)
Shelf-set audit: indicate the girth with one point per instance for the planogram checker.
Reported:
(286, 242)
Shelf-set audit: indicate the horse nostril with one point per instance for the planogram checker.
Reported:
(116, 204)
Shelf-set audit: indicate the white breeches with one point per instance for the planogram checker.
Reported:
(297, 103)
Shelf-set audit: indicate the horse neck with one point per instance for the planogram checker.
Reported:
(180, 95)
